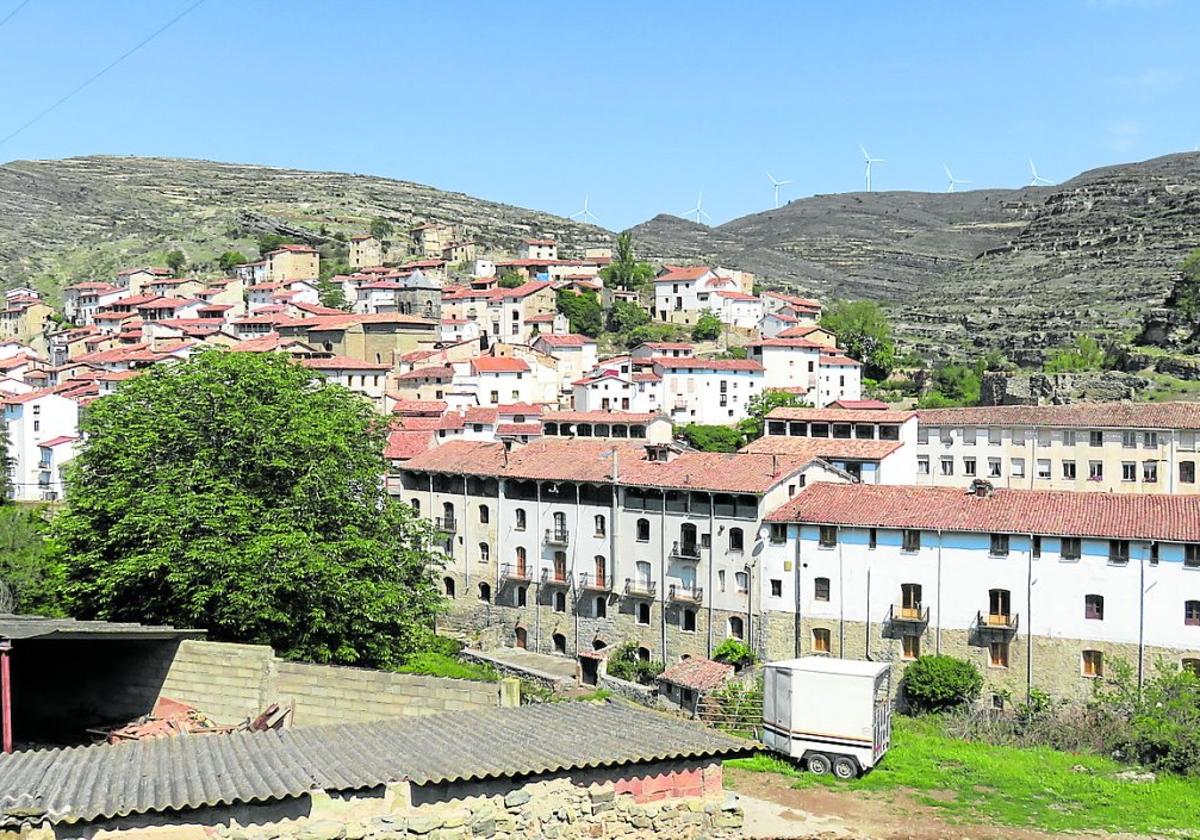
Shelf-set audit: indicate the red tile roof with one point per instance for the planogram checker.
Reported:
(539, 242)
(56, 441)
(294, 249)
(708, 364)
(780, 341)
(840, 415)
(1166, 415)
(434, 372)
(420, 423)
(840, 361)
(434, 407)
(481, 414)
(402, 444)
(598, 417)
(667, 345)
(801, 332)
(824, 448)
(737, 296)
(529, 429)
(806, 303)
(1061, 513)
(343, 363)
(509, 409)
(680, 273)
(568, 340)
(861, 405)
(498, 364)
(697, 673)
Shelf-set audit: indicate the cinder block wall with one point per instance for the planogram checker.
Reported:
(231, 682)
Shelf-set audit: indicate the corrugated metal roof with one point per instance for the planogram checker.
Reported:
(105, 781)
(37, 627)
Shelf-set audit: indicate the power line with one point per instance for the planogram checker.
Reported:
(10, 15)
(104, 70)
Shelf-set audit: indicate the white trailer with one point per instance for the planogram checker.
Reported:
(832, 714)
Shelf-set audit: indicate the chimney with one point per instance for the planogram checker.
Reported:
(981, 488)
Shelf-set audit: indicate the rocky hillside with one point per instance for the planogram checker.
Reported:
(1022, 270)
(65, 220)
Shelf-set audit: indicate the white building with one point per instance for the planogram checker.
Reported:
(500, 379)
(874, 446)
(575, 355)
(708, 391)
(32, 419)
(366, 378)
(736, 309)
(537, 249)
(840, 379)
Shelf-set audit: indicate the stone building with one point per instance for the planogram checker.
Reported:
(365, 251)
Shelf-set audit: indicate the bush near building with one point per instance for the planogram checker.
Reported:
(939, 682)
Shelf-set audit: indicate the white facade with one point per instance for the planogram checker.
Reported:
(840, 379)
(711, 392)
(32, 419)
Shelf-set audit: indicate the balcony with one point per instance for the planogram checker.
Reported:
(916, 616)
(997, 622)
(679, 405)
(595, 583)
(640, 588)
(685, 551)
(685, 594)
(557, 536)
(555, 577)
(446, 524)
(515, 572)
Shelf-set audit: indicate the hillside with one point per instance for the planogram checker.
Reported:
(64, 220)
(1017, 269)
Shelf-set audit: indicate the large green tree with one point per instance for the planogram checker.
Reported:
(582, 310)
(626, 271)
(863, 333)
(707, 328)
(228, 260)
(234, 493)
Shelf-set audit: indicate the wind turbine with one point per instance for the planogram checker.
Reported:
(953, 181)
(698, 211)
(776, 185)
(585, 214)
(1038, 180)
(870, 160)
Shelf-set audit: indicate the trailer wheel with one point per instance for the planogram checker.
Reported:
(845, 767)
(818, 764)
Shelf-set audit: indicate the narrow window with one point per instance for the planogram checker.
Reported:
(560, 602)
(521, 596)
(485, 515)
(485, 592)
(872, 537)
(827, 536)
(737, 628)
(601, 607)
(560, 643)
(736, 540)
(520, 519)
(1093, 663)
(821, 589)
(484, 552)
(1191, 556)
(911, 540)
(689, 621)
(776, 588)
(1191, 613)
(643, 530)
(600, 525)
(448, 586)
(643, 614)
(911, 646)
(820, 640)
(1036, 546)
(998, 654)
(1093, 607)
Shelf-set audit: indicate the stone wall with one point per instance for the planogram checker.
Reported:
(230, 682)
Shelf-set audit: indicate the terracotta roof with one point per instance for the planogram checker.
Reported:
(568, 340)
(1166, 415)
(524, 290)
(519, 429)
(782, 316)
(801, 332)
(161, 272)
(435, 407)
(498, 364)
(403, 444)
(508, 409)
(343, 363)
(420, 423)
(840, 361)
(1060, 513)
(697, 673)
(679, 273)
(667, 345)
(779, 341)
(807, 303)
(598, 417)
(57, 441)
(539, 242)
(295, 249)
(861, 405)
(481, 414)
(840, 415)
(544, 318)
(434, 372)
(824, 448)
(709, 364)
(737, 296)
(582, 459)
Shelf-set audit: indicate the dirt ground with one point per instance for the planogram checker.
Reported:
(776, 810)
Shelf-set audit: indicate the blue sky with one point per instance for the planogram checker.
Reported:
(642, 105)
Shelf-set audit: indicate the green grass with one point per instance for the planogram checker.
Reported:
(441, 665)
(1034, 788)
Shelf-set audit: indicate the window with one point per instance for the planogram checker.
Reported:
(820, 640)
(994, 467)
(560, 602)
(736, 540)
(1093, 663)
(969, 466)
(910, 600)
(737, 627)
(741, 580)
(560, 642)
(995, 435)
(999, 606)
(922, 465)
(485, 592)
(1068, 437)
(415, 504)
(485, 552)
(947, 465)
(643, 530)
(998, 654)
(1068, 470)
(1043, 437)
(923, 434)
(1118, 552)
(872, 538)
(1191, 556)
(521, 596)
(911, 540)
(1150, 472)
(643, 614)
(1095, 438)
(827, 536)
(448, 586)
(1191, 613)
(1128, 439)
(689, 621)
(1072, 548)
(1043, 468)
(1149, 440)
(776, 588)
(484, 515)
(778, 533)
(1095, 470)
(1018, 468)
(1036, 546)
(1018, 437)
(520, 519)
(821, 589)
(910, 646)
(521, 638)
(1093, 607)
(999, 547)
(721, 580)
(1153, 554)
(1187, 472)
(599, 525)
(600, 607)
(969, 434)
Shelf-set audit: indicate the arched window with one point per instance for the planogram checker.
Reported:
(689, 621)
(415, 504)
(600, 569)
(643, 530)
(485, 592)
(485, 552)
(560, 524)
(560, 566)
(520, 519)
(521, 638)
(447, 515)
(601, 610)
(448, 585)
(560, 602)
(644, 654)
(1191, 613)
(737, 628)
(599, 644)
(600, 525)
(485, 515)
(522, 569)
(1093, 607)
(736, 539)
(560, 643)
(820, 640)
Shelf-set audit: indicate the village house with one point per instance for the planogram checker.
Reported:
(82, 300)
(499, 379)
(607, 390)
(574, 354)
(366, 378)
(293, 262)
(537, 249)
(708, 391)
(32, 419)
(380, 338)
(458, 253)
(25, 318)
(428, 240)
(873, 446)
(365, 251)
(135, 280)
(683, 293)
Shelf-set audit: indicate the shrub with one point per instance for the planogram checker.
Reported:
(735, 652)
(441, 665)
(938, 683)
(707, 328)
(624, 664)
